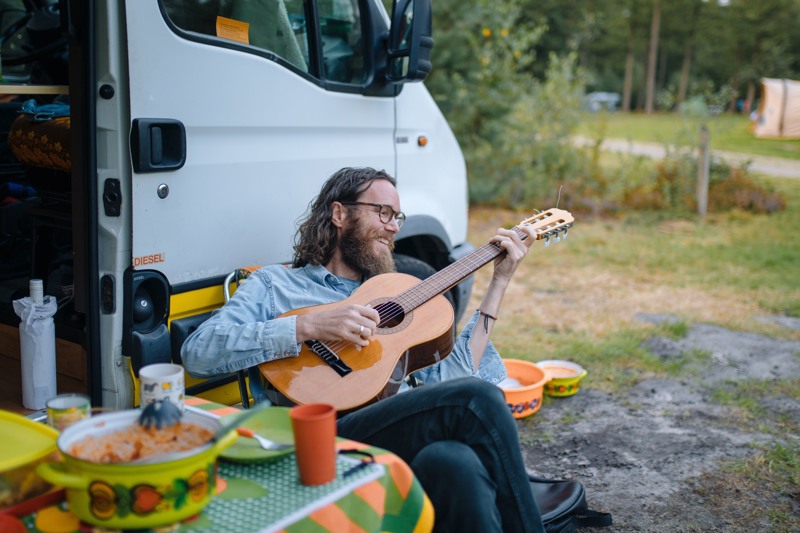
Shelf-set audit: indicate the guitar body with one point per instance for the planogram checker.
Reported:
(412, 340)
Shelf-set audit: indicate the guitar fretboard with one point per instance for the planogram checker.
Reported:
(450, 276)
(546, 225)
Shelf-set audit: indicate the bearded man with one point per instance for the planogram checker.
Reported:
(455, 432)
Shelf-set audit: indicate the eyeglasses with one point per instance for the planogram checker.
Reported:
(385, 212)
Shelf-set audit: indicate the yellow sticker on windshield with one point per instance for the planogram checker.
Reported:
(235, 30)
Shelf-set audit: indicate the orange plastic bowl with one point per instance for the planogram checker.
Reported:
(526, 399)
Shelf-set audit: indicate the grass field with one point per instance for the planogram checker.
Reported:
(728, 132)
(583, 295)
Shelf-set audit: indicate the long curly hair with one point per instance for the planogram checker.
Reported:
(315, 239)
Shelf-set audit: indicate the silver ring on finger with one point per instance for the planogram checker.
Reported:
(361, 330)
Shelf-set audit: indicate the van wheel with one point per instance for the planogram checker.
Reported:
(407, 264)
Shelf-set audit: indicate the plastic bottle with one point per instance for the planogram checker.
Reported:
(37, 340)
(37, 291)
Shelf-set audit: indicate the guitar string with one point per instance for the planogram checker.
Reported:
(412, 301)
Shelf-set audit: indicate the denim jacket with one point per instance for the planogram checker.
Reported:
(244, 332)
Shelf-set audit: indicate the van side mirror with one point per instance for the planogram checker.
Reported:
(410, 41)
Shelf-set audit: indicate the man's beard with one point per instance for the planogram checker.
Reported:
(358, 252)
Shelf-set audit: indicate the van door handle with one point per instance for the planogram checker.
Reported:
(157, 144)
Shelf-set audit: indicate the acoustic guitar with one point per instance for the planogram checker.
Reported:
(415, 330)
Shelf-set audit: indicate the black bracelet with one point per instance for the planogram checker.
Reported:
(486, 317)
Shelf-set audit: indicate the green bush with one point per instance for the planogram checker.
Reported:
(739, 191)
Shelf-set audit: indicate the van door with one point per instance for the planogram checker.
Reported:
(239, 111)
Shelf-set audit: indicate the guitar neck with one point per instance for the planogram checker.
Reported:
(450, 276)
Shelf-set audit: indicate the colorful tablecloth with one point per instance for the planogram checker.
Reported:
(266, 497)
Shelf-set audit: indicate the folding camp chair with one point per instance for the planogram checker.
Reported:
(236, 277)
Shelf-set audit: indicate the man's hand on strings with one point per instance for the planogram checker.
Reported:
(352, 323)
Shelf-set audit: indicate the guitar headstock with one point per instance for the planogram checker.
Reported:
(552, 224)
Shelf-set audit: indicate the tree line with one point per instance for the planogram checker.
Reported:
(510, 76)
(654, 53)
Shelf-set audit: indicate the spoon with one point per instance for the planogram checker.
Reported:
(263, 441)
(233, 422)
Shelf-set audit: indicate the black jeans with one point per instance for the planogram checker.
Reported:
(461, 441)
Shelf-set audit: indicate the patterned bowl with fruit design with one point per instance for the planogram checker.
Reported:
(136, 495)
(566, 375)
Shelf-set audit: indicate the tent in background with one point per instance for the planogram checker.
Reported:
(779, 109)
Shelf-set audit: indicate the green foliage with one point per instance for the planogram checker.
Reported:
(752, 254)
(787, 306)
(705, 104)
(747, 394)
(673, 184)
(676, 177)
(539, 156)
(673, 188)
(614, 363)
(479, 63)
(769, 478)
(675, 329)
(511, 126)
(515, 130)
(719, 43)
(665, 100)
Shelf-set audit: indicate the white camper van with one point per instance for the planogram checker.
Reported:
(196, 133)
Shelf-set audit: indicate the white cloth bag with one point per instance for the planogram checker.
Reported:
(37, 341)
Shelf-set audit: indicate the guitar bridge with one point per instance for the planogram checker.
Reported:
(330, 357)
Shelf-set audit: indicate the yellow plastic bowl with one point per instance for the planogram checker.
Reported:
(525, 400)
(26, 444)
(567, 377)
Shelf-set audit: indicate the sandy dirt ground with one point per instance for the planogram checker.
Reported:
(656, 458)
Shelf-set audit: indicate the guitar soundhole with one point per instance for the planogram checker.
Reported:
(392, 314)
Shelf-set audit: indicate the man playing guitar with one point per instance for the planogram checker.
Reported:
(455, 432)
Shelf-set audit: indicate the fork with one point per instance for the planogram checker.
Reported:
(264, 442)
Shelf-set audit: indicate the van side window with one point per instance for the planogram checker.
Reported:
(281, 28)
(342, 43)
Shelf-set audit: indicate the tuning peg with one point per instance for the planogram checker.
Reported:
(566, 232)
(547, 241)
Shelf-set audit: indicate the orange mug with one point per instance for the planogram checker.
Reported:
(314, 428)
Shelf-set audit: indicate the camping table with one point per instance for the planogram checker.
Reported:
(267, 497)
